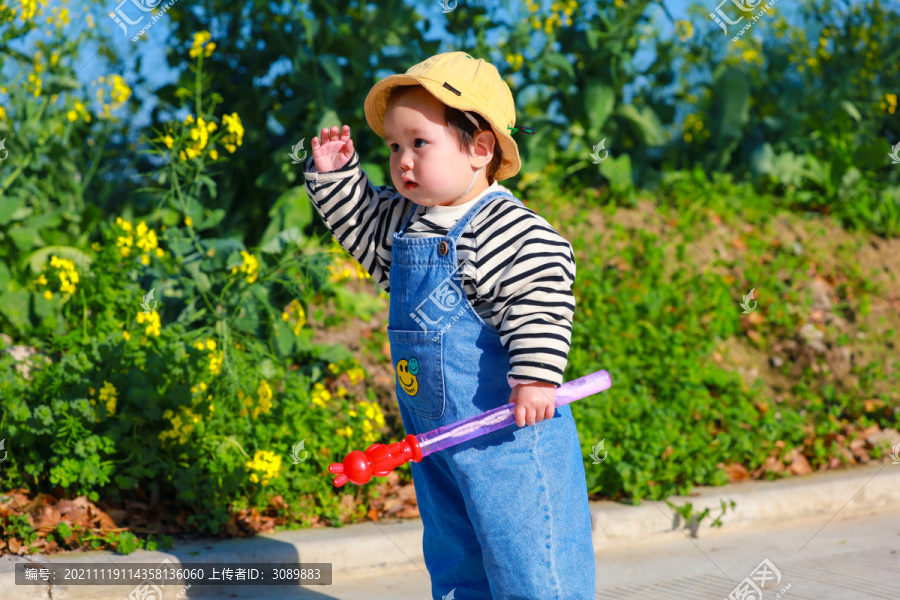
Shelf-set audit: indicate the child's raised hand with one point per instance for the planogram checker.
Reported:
(335, 149)
(534, 402)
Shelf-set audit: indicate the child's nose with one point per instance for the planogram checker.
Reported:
(405, 161)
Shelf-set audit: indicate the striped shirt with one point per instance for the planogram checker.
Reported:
(522, 285)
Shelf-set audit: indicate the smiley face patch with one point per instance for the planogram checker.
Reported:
(407, 371)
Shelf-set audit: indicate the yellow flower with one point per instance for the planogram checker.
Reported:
(2, 114)
(684, 29)
(108, 395)
(215, 363)
(373, 412)
(295, 309)
(188, 222)
(153, 322)
(126, 335)
(267, 463)
(202, 45)
(66, 274)
(235, 136)
(48, 294)
(249, 265)
(203, 386)
(120, 92)
(265, 398)
(356, 374)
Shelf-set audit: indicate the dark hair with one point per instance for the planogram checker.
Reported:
(461, 128)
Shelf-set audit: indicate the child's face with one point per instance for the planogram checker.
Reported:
(423, 151)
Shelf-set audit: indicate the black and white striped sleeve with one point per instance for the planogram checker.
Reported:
(361, 216)
(525, 269)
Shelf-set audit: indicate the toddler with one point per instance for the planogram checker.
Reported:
(481, 310)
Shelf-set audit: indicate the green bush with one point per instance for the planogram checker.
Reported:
(674, 416)
(175, 362)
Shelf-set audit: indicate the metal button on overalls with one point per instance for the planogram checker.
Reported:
(506, 514)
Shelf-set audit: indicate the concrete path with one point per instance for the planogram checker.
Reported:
(829, 535)
(854, 559)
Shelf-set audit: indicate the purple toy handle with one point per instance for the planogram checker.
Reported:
(502, 416)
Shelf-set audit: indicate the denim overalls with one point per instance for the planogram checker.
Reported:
(505, 515)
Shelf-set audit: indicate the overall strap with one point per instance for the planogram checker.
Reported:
(461, 225)
(408, 219)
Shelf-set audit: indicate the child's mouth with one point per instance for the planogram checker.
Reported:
(410, 185)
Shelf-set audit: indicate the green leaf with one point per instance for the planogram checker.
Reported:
(283, 336)
(14, 306)
(763, 159)
(617, 169)
(199, 277)
(646, 122)
(212, 219)
(329, 119)
(851, 110)
(332, 68)
(731, 93)
(284, 239)
(292, 210)
(39, 258)
(25, 238)
(9, 207)
(599, 101)
(555, 59)
(4, 276)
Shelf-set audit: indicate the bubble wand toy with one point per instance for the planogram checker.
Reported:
(379, 460)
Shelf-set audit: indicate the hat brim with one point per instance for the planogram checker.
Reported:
(375, 107)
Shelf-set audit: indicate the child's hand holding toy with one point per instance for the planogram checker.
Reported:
(535, 402)
(335, 149)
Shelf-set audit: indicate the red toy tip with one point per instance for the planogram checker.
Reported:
(378, 460)
(341, 479)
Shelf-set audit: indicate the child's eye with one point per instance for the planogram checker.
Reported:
(391, 146)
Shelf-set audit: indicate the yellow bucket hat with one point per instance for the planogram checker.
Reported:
(464, 83)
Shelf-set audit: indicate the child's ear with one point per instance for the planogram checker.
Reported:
(484, 144)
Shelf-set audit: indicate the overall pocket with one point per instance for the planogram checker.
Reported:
(417, 358)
